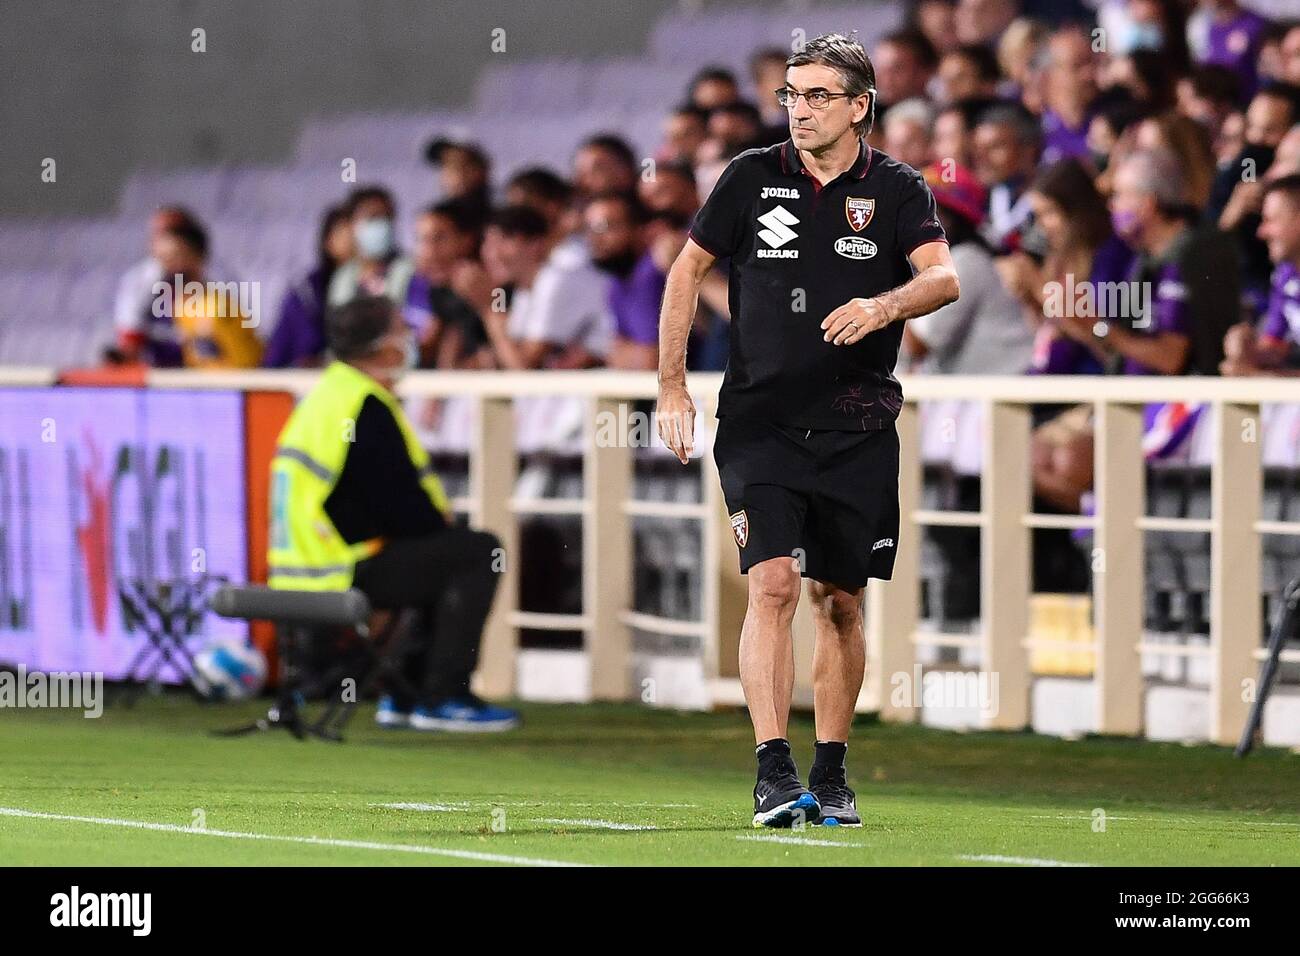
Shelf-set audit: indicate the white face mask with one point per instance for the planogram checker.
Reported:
(374, 238)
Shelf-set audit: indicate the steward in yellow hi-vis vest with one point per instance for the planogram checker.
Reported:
(307, 552)
(355, 503)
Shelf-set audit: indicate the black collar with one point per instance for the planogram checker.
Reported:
(792, 164)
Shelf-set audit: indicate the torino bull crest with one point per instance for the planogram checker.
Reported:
(859, 211)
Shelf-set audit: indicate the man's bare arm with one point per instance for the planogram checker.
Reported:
(675, 412)
(935, 284)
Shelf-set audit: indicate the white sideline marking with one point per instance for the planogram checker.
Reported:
(1192, 820)
(275, 838)
(797, 841)
(600, 824)
(1017, 860)
(457, 807)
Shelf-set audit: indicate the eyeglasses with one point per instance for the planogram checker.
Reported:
(818, 99)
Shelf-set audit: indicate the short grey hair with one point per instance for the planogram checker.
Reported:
(914, 110)
(1159, 174)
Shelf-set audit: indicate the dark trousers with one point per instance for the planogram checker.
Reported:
(451, 576)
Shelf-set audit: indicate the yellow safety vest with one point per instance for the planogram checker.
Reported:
(305, 551)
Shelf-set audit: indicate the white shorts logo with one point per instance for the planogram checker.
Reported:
(740, 527)
(883, 543)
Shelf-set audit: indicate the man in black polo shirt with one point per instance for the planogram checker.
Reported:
(832, 245)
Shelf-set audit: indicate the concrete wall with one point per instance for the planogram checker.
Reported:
(108, 86)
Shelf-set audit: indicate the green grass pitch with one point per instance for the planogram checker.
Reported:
(612, 785)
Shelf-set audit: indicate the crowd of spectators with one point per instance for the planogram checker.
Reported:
(1120, 183)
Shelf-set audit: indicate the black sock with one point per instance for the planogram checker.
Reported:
(769, 752)
(828, 758)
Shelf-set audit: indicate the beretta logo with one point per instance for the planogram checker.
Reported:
(855, 247)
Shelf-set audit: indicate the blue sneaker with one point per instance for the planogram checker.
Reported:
(388, 714)
(465, 714)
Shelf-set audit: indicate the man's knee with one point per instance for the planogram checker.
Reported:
(840, 608)
(774, 585)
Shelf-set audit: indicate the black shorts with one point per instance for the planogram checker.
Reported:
(829, 499)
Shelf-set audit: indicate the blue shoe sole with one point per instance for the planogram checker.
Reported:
(783, 817)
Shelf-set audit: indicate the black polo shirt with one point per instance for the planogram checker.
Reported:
(799, 250)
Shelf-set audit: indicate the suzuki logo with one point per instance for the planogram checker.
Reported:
(778, 221)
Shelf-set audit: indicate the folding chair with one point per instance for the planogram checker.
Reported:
(299, 617)
(169, 613)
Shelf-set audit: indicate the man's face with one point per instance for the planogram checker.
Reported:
(1267, 120)
(669, 192)
(768, 76)
(175, 257)
(1290, 51)
(1287, 159)
(899, 76)
(388, 359)
(1279, 227)
(1132, 207)
(1072, 73)
(610, 230)
(439, 245)
(979, 21)
(597, 170)
(712, 93)
(959, 78)
(683, 134)
(816, 129)
(460, 173)
(907, 142)
(950, 139)
(733, 129)
(509, 258)
(999, 157)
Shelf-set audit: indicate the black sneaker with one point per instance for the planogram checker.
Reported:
(837, 801)
(780, 800)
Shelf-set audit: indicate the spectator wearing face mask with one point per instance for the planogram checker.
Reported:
(378, 268)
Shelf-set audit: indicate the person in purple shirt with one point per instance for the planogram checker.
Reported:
(1070, 90)
(614, 224)
(1233, 39)
(299, 336)
(1181, 292)
(1273, 350)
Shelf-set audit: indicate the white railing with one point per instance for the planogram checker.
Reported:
(1005, 520)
